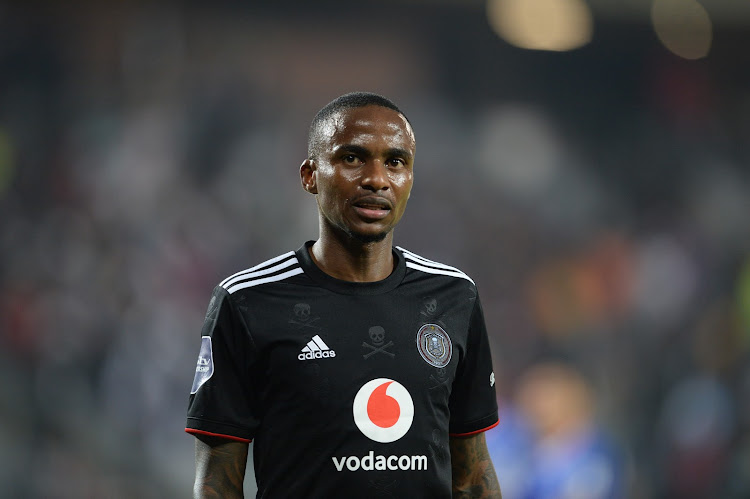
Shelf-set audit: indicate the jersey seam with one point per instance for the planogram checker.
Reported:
(196, 432)
(241, 317)
(474, 432)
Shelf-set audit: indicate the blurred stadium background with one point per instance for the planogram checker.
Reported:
(585, 161)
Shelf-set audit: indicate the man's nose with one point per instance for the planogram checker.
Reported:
(375, 176)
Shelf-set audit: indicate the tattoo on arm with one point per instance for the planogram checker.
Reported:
(473, 473)
(219, 468)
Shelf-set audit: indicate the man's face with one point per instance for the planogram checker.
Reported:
(362, 173)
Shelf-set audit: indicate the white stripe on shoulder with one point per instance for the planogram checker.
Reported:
(424, 261)
(260, 265)
(260, 273)
(430, 270)
(420, 259)
(417, 262)
(255, 282)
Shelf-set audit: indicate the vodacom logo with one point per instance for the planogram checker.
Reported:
(383, 410)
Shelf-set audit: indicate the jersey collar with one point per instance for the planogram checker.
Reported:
(351, 288)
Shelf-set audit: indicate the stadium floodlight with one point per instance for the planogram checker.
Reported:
(553, 25)
(683, 26)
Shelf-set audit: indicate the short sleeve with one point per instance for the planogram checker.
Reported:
(223, 400)
(473, 403)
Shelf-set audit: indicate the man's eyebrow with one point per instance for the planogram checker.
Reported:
(397, 152)
(394, 152)
(353, 149)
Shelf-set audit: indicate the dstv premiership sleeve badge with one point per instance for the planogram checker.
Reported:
(205, 368)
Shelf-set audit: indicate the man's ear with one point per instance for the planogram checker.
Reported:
(308, 173)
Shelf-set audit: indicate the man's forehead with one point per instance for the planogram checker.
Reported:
(368, 119)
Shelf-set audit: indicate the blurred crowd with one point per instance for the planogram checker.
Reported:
(600, 200)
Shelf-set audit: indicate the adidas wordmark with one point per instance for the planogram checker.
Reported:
(316, 348)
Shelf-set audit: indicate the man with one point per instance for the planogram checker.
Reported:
(357, 368)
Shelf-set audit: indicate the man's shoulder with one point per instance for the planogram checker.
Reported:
(274, 269)
(424, 265)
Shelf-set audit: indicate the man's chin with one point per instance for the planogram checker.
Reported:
(367, 238)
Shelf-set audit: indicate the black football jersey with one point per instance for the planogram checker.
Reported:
(346, 389)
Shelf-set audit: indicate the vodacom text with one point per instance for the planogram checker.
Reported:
(371, 462)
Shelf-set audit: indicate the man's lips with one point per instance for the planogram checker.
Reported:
(372, 207)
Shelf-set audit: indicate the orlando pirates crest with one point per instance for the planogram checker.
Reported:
(434, 345)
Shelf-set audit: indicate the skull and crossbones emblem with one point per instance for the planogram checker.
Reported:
(377, 336)
(302, 316)
(430, 306)
(439, 377)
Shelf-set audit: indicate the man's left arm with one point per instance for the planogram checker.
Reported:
(472, 470)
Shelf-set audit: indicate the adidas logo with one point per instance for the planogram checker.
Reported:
(316, 348)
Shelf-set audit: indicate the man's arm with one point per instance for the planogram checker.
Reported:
(473, 473)
(219, 467)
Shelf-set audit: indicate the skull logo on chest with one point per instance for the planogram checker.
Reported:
(429, 306)
(302, 316)
(378, 344)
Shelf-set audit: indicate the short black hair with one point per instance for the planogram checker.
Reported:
(346, 101)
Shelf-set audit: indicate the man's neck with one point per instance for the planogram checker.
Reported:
(354, 261)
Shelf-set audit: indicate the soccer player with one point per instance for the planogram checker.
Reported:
(357, 368)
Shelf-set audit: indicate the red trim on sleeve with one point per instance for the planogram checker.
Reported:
(474, 432)
(230, 437)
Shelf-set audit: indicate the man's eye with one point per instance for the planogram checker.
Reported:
(396, 162)
(351, 159)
